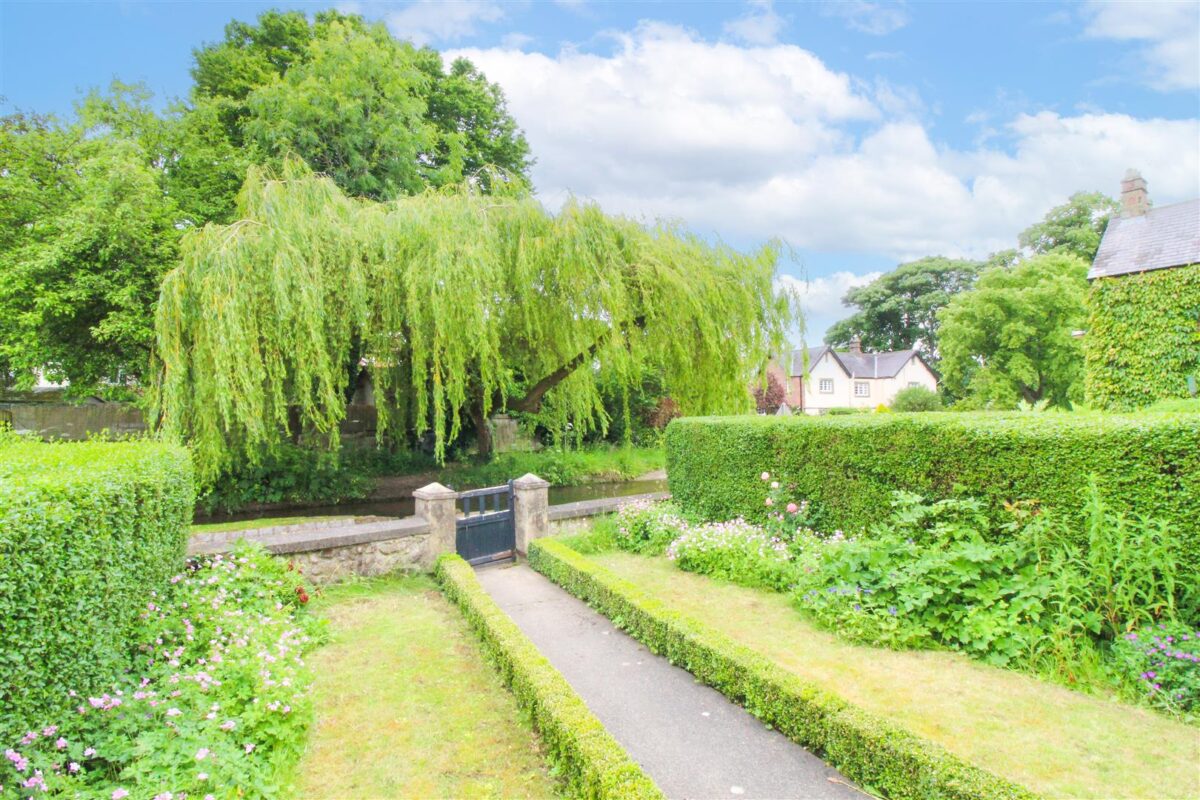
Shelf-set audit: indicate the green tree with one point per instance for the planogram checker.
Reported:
(898, 310)
(87, 233)
(457, 305)
(1075, 227)
(1010, 338)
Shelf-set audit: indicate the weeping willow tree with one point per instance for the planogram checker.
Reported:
(457, 304)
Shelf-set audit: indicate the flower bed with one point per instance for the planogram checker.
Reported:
(216, 703)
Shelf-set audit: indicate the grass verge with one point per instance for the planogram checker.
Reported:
(406, 707)
(1058, 742)
(870, 751)
(588, 758)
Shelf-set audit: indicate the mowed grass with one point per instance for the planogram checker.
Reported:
(408, 708)
(1060, 743)
(251, 524)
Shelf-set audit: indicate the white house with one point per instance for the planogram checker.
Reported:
(852, 378)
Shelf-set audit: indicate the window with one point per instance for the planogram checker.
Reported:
(914, 384)
(826, 385)
(862, 389)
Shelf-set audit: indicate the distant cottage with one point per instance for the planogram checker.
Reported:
(1143, 338)
(850, 378)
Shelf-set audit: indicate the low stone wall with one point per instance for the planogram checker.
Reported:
(330, 550)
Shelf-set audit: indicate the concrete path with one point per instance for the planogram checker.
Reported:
(688, 737)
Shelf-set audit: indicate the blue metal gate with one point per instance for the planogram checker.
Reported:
(482, 534)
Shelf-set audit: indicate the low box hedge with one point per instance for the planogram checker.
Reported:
(849, 466)
(87, 532)
(870, 751)
(589, 759)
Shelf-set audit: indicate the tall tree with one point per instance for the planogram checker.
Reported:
(1075, 227)
(86, 233)
(1010, 338)
(457, 304)
(898, 310)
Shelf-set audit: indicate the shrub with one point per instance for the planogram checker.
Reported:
(216, 700)
(870, 751)
(290, 474)
(848, 467)
(734, 551)
(1163, 663)
(585, 754)
(844, 411)
(645, 526)
(916, 398)
(87, 532)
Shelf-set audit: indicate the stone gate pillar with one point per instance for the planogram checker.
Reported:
(436, 504)
(531, 509)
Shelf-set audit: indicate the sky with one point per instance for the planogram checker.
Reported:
(862, 134)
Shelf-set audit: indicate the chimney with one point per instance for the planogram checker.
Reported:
(1135, 201)
(855, 345)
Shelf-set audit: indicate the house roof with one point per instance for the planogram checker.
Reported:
(865, 365)
(1162, 237)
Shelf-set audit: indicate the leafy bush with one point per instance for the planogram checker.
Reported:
(645, 526)
(870, 751)
(87, 532)
(734, 551)
(849, 466)
(845, 411)
(290, 474)
(216, 700)
(916, 398)
(1163, 662)
(586, 755)
(1189, 406)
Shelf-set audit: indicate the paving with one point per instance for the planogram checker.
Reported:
(690, 739)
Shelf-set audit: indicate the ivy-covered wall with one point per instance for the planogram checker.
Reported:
(1143, 337)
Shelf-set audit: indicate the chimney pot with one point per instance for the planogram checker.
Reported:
(856, 345)
(1135, 200)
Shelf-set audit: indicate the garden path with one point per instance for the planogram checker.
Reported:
(689, 738)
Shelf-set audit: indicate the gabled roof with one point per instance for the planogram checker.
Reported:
(865, 365)
(1160, 238)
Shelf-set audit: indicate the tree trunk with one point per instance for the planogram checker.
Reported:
(483, 431)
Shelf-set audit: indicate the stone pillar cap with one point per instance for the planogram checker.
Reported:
(530, 481)
(434, 491)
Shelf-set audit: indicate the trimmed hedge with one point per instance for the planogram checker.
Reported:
(849, 466)
(87, 532)
(868, 750)
(589, 759)
(1143, 337)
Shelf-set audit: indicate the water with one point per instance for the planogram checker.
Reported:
(404, 507)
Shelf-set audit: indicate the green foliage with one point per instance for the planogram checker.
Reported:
(217, 698)
(288, 474)
(873, 753)
(644, 526)
(595, 464)
(1009, 339)
(432, 294)
(1074, 228)
(87, 235)
(735, 551)
(845, 411)
(848, 467)
(1162, 662)
(588, 758)
(899, 309)
(1143, 338)
(916, 398)
(87, 532)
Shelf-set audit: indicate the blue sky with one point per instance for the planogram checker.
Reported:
(863, 133)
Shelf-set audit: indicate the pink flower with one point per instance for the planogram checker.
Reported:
(173, 712)
(774, 484)
(73, 767)
(88, 753)
(766, 476)
(201, 776)
(119, 793)
(770, 502)
(792, 508)
(249, 747)
(61, 744)
(202, 754)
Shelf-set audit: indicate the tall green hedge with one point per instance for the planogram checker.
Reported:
(1143, 337)
(87, 531)
(849, 466)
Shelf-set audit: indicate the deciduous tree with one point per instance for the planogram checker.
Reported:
(1075, 227)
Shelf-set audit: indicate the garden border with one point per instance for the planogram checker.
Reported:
(591, 761)
(868, 750)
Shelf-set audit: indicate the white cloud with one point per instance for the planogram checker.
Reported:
(427, 21)
(755, 142)
(759, 25)
(516, 41)
(877, 19)
(821, 299)
(1169, 33)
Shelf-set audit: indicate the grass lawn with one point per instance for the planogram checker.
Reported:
(250, 524)
(407, 707)
(1057, 742)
